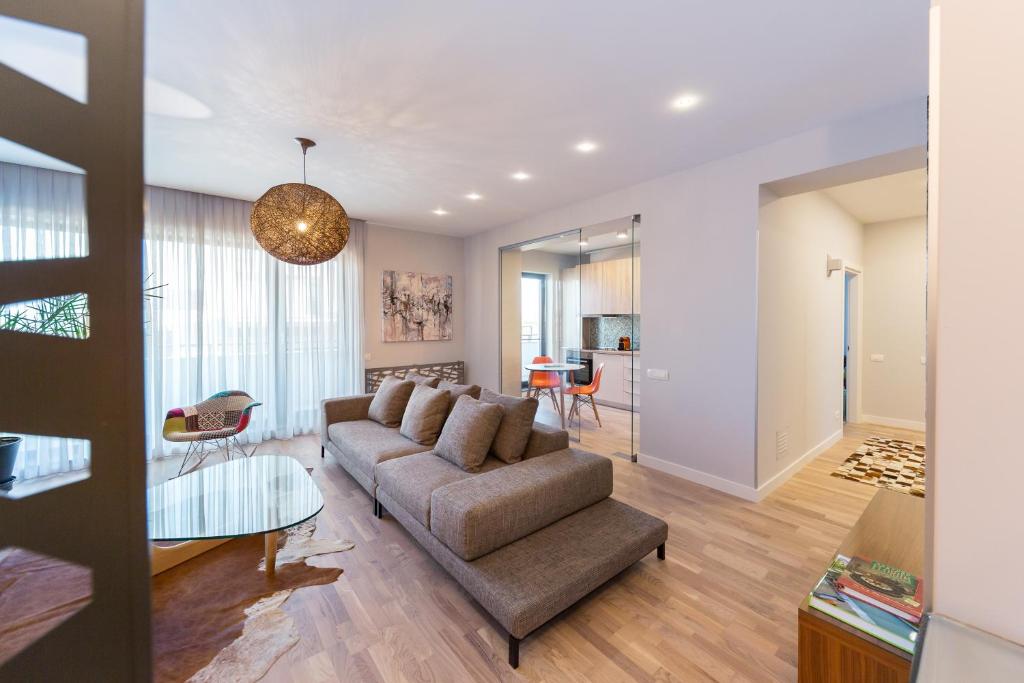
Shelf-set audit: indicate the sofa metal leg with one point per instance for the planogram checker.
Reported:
(513, 651)
(376, 505)
(661, 551)
(321, 451)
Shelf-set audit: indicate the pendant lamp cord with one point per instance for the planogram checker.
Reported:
(303, 165)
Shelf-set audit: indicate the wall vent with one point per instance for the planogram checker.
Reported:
(781, 444)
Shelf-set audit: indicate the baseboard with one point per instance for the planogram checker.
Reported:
(698, 477)
(733, 488)
(896, 422)
(795, 466)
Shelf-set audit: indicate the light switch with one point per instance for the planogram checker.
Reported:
(877, 357)
(657, 374)
(367, 356)
(924, 360)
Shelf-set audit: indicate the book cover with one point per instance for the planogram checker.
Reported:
(890, 588)
(861, 615)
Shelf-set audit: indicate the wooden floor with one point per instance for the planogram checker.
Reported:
(722, 606)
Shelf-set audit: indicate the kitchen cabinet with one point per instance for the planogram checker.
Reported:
(591, 288)
(616, 292)
(606, 287)
(620, 381)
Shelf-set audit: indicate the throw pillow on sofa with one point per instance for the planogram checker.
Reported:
(425, 414)
(457, 390)
(422, 379)
(516, 425)
(388, 404)
(468, 433)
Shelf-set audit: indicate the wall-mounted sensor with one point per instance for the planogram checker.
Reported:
(832, 265)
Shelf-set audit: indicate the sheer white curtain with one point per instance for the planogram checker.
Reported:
(42, 215)
(233, 317)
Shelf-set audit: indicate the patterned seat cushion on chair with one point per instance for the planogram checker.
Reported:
(224, 414)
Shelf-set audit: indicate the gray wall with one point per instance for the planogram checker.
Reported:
(390, 248)
(699, 288)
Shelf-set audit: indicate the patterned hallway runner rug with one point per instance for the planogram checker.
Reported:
(887, 463)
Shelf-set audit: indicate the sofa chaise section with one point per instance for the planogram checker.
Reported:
(526, 540)
(528, 582)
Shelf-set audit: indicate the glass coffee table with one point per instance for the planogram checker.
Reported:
(263, 494)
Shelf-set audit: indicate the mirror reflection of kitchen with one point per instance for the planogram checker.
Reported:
(573, 300)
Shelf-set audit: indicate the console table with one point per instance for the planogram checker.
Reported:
(890, 530)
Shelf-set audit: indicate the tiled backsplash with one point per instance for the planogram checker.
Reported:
(604, 333)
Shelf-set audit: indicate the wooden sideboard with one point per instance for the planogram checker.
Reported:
(890, 530)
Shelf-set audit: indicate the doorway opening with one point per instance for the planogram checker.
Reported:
(851, 345)
(841, 314)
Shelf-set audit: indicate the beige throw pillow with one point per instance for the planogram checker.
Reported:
(516, 425)
(468, 433)
(422, 379)
(457, 390)
(425, 414)
(388, 404)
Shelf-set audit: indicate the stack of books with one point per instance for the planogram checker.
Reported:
(873, 597)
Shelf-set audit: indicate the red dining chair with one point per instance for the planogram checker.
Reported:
(585, 394)
(544, 382)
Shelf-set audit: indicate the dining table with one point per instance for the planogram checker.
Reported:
(566, 370)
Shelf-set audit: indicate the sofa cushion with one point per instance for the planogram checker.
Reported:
(409, 481)
(425, 414)
(388, 404)
(483, 513)
(468, 433)
(516, 425)
(456, 390)
(422, 379)
(366, 443)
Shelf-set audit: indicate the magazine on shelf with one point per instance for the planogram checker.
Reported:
(890, 588)
(887, 627)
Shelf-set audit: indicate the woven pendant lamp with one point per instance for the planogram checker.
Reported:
(299, 223)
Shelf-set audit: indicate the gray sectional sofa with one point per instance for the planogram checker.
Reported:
(527, 539)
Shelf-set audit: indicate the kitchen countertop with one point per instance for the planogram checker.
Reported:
(614, 352)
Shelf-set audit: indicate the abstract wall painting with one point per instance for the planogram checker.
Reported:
(416, 307)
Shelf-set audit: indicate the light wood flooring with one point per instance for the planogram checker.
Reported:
(722, 606)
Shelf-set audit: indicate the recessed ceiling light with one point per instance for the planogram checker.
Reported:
(583, 242)
(586, 146)
(474, 197)
(440, 212)
(622, 234)
(686, 101)
(521, 176)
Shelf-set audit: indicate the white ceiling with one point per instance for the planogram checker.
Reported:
(888, 198)
(415, 104)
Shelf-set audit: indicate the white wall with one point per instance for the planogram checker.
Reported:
(389, 248)
(976, 467)
(698, 285)
(800, 328)
(893, 323)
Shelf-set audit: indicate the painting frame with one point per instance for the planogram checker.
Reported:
(416, 307)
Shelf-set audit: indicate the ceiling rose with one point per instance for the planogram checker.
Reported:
(299, 223)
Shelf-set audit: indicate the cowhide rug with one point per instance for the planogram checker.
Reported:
(887, 463)
(218, 618)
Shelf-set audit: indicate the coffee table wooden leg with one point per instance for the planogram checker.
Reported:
(270, 548)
